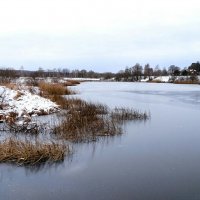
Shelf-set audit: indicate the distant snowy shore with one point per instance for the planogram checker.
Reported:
(169, 79)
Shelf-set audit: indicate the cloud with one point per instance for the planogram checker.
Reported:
(98, 33)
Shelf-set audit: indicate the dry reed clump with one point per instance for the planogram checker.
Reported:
(85, 122)
(66, 103)
(19, 94)
(77, 128)
(186, 82)
(123, 114)
(71, 103)
(49, 89)
(60, 100)
(11, 86)
(55, 93)
(27, 152)
(78, 104)
(71, 83)
(89, 109)
(74, 82)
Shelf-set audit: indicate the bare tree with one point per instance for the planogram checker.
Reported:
(148, 71)
(137, 71)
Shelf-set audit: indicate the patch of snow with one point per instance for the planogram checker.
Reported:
(163, 79)
(145, 79)
(83, 79)
(23, 102)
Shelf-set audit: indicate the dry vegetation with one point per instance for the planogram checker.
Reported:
(155, 81)
(11, 86)
(71, 83)
(123, 114)
(28, 152)
(49, 89)
(86, 121)
(80, 121)
(55, 92)
(18, 95)
(186, 82)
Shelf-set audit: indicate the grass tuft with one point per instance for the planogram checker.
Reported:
(49, 89)
(31, 153)
(71, 83)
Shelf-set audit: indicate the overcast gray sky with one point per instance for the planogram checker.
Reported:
(102, 35)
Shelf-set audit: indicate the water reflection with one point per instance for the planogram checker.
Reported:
(91, 147)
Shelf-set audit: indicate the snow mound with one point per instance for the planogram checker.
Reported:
(164, 79)
(22, 101)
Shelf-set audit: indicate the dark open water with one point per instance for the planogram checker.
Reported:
(156, 160)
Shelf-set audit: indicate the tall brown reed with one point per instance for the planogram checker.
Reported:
(124, 114)
(85, 121)
(71, 83)
(186, 82)
(49, 89)
(28, 152)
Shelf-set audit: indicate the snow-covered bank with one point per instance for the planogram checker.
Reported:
(163, 79)
(83, 79)
(23, 102)
(170, 79)
(35, 81)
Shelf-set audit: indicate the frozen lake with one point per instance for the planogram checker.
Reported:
(155, 160)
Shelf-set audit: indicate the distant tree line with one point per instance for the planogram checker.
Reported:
(138, 71)
(134, 73)
(60, 73)
(6, 74)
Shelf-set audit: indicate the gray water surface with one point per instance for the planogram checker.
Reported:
(156, 160)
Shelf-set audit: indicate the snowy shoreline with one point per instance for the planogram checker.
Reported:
(23, 102)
